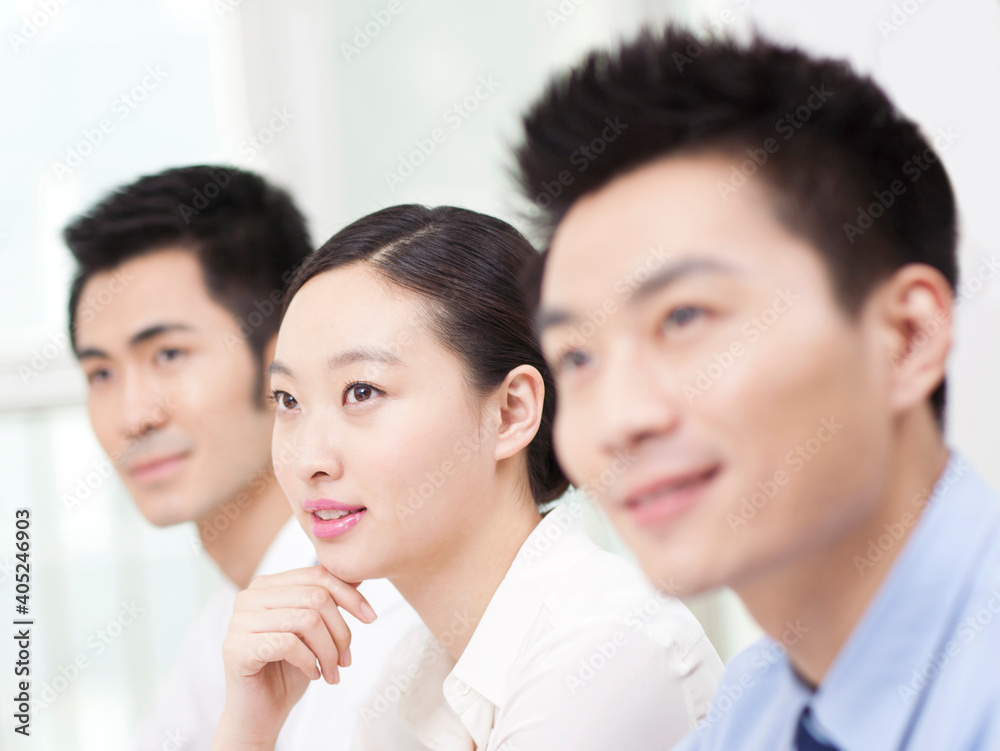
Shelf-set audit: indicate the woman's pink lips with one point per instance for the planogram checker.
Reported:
(328, 504)
(157, 470)
(327, 529)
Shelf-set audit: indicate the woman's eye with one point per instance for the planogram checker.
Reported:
(283, 400)
(682, 316)
(359, 392)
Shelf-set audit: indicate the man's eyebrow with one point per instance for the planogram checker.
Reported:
(342, 359)
(549, 317)
(150, 332)
(92, 352)
(677, 271)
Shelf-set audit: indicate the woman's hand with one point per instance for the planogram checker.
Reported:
(282, 625)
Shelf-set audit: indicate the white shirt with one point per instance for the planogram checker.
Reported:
(190, 700)
(575, 651)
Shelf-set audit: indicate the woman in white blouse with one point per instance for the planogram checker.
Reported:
(413, 439)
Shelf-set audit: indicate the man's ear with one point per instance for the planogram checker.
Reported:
(519, 400)
(915, 309)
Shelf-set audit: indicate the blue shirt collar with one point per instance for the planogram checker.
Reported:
(873, 691)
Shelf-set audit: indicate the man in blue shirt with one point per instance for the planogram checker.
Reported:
(746, 302)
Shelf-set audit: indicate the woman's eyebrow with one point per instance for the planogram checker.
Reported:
(342, 359)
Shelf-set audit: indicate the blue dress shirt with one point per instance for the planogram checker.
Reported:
(921, 669)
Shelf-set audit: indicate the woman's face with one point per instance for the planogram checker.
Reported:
(378, 443)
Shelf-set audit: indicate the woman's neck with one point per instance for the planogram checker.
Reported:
(452, 597)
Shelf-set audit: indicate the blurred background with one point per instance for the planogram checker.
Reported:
(330, 102)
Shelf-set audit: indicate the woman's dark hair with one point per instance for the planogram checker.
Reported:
(467, 266)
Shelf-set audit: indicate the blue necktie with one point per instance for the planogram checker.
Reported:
(808, 737)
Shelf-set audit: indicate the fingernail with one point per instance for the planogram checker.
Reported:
(336, 674)
(316, 673)
(367, 612)
(346, 657)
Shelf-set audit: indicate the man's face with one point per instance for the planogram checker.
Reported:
(725, 411)
(171, 387)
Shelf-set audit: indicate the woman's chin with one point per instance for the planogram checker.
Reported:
(353, 572)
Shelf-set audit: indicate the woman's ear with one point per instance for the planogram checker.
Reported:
(915, 311)
(520, 399)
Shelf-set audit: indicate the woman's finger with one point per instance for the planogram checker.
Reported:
(307, 624)
(344, 593)
(248, 654)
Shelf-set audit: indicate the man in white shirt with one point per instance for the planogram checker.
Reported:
(173, 314)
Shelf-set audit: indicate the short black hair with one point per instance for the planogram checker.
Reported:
(247, 234)
(466, 265)
(847, 171)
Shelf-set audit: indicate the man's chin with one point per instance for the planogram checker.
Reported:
(675, 577)
(162, 512)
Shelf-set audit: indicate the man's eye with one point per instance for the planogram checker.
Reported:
(283, 400)
(359, 392)
(571, 360)
(96, 377)
(682, 316)
(169, 354)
